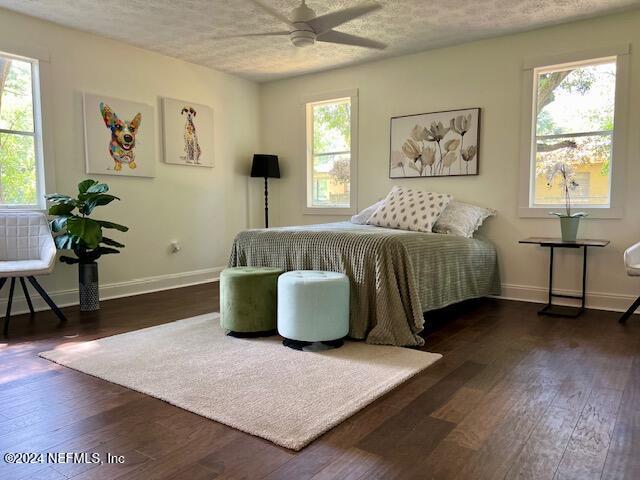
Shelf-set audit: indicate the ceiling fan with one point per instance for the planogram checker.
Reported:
(305, 28)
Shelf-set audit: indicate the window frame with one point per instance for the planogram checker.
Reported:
(307, 102)
(39, 60)
(619, 136)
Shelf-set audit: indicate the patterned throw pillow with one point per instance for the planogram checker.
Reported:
(361, 218)
(462, 219)
(407, 209)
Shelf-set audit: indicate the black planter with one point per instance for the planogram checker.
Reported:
(88, 285)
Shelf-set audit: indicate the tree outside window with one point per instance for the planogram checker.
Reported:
(331, 153)
(574, 125)
(18, 159)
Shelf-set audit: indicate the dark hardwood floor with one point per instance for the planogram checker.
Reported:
(515, 396)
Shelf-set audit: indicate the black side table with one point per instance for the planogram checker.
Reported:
(556, 310)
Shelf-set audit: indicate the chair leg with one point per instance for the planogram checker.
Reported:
(26, 295)
(7, 317)
(47, 299)
(3, 280)
(628, 313)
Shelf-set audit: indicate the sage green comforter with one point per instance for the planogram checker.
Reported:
(395, 275)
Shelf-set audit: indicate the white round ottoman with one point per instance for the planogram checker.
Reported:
(313, 306)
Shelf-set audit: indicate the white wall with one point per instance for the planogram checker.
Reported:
(202, 208)
(484, 74)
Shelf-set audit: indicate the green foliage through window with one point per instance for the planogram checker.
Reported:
(331, 162)
(331, 127)
(18, 165)
(574, 126)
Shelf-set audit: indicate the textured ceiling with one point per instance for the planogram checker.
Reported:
(184, 28)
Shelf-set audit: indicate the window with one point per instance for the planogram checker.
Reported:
(21, 176)
(331, 121)
(574, 118)
(574, 125)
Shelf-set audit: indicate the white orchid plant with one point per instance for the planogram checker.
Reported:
(564, 174)
(429, 154)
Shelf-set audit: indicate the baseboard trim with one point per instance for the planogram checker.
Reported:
(612, 302)
(137, 286)
(64, 298)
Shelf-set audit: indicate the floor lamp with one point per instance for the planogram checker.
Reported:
(265, 166)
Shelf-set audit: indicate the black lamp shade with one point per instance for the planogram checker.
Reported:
(265, 166)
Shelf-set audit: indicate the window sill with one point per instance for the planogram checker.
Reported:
(597, 213)
(328, 212)
(23, 208)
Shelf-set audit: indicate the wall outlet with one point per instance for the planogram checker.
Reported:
(175, 246)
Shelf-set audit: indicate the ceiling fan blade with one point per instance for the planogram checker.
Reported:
(324, 23)
(333, 36)
(273, 12)
(264, 34)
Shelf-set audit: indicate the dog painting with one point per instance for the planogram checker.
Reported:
(188, 133)
(123, 137)
(191, 145)
(126, 147)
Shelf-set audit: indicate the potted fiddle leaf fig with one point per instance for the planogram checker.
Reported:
(83, 236)
(569, 221)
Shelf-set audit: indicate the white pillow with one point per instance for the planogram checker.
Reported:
(462, 219)
(363, 217)
(407, 209)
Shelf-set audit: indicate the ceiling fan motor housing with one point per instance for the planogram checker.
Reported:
(302, 13)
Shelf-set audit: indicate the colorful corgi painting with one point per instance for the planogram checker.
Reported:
(123, 137)
(126, 147)
(188, 133)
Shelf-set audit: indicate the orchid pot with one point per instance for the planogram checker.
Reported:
(569, 228)
(569, 225)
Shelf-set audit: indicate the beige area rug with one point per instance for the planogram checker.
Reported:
(255, 385)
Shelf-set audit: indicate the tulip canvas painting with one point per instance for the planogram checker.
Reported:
(438, 144)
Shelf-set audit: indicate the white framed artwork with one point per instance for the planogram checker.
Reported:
(188, 133)
(437, 144)
(119, 137)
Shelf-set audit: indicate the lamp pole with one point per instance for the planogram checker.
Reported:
(266, 203)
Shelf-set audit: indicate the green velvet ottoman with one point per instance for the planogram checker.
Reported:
(248, 300)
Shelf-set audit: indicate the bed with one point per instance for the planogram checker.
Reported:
(396, 276)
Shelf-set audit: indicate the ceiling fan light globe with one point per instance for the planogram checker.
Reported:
(302, 38)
